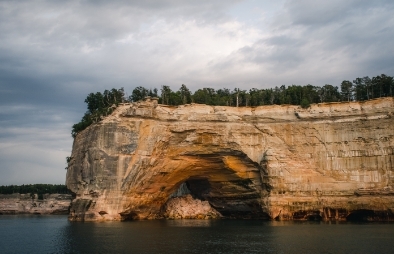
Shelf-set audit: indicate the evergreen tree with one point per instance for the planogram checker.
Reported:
(139, 93)
(346, 90)
(165, 95)
(185, 94)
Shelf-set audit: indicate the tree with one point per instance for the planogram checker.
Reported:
(368, 85)
(94, 101)
(205, 96)
(223, 97)
(98, 104)
(360, 90)
(39, 189)
(175, 98)
(153, 93)
(236, 92)
(256, 97)
(85, 122)
(270, 96)
(329, 93)
(346, 90)
(165, 95)
(383, 85)
(310, 93)
(305, 103)
(185, 94)
(139, 93)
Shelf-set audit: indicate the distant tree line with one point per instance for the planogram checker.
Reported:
(38, 189)
(100, 104)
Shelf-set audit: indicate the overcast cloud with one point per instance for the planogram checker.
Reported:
(53, 53)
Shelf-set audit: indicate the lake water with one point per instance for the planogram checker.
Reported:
(55, 234)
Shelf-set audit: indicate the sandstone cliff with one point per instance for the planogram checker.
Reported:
(332, 161)
(27, 204)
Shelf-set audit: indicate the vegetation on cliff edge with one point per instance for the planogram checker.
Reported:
(101, 104)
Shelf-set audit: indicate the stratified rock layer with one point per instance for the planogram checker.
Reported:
(30, 204)
(332, 161)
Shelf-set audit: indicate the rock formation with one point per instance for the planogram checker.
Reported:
(187, 207)
(332, 161)
(30, 204)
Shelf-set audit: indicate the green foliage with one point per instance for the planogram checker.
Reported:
(205, 96)
(68, 161)
(305, 103)
(83, 124)
(346, 90)
(99, 105)
(329, 93)
(139, 93)
(165, 95)
(366, 88)
(169, 97)
(184, 94)
(38, 189)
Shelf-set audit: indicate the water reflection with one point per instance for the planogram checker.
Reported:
(189, 223)
(52, 234)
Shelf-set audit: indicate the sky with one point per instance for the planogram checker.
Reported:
(54, 53)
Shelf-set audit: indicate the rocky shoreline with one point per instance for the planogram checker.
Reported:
(30, 204)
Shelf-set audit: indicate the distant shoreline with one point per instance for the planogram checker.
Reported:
(49, 204)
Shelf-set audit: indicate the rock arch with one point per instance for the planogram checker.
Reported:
(228, 180)
(246, 162)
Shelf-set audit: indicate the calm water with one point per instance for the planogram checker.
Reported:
(54, 234)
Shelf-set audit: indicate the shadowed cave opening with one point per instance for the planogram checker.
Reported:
(232, 199)
(366, 215)
(361, 215)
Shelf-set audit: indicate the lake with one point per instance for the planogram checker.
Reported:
(55, 234)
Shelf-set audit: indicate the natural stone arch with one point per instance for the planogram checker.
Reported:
(228, 180)
(309, 160)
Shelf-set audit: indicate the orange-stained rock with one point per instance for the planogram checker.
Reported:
(274, 161)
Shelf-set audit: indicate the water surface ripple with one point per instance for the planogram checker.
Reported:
(55, 234)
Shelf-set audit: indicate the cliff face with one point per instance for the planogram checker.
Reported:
(332, 161)
(27, 204)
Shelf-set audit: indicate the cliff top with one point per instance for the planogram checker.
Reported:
(149, 108)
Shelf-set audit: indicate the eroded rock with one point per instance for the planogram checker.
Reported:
(187, 207)
(275, 161)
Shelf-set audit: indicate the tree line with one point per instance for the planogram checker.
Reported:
(39, 189)
(100, 104)
(360, 89)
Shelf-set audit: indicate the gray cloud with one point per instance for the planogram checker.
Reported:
(321, 42)
(53, 53)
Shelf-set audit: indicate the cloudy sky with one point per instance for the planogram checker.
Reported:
(54, 53)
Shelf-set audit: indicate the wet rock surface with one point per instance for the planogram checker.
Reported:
(278, 162)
